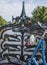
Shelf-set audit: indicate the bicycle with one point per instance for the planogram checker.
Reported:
(41, 41)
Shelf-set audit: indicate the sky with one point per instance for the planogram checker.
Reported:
(9, 8)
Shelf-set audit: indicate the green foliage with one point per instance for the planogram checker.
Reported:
(2, 21)
(40, 14)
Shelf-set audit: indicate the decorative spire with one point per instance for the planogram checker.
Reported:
(23, 14)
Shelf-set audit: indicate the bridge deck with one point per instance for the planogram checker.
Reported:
(15, 64)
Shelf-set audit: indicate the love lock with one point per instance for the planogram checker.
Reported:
(31, 41)
(27, 44)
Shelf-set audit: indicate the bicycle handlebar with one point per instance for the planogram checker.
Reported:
(45, 32)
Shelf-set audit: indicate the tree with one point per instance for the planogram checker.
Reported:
(2, 21)
(40, 14)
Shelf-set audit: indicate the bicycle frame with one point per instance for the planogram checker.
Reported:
(32, 59)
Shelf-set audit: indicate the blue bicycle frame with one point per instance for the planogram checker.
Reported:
(32, 59)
